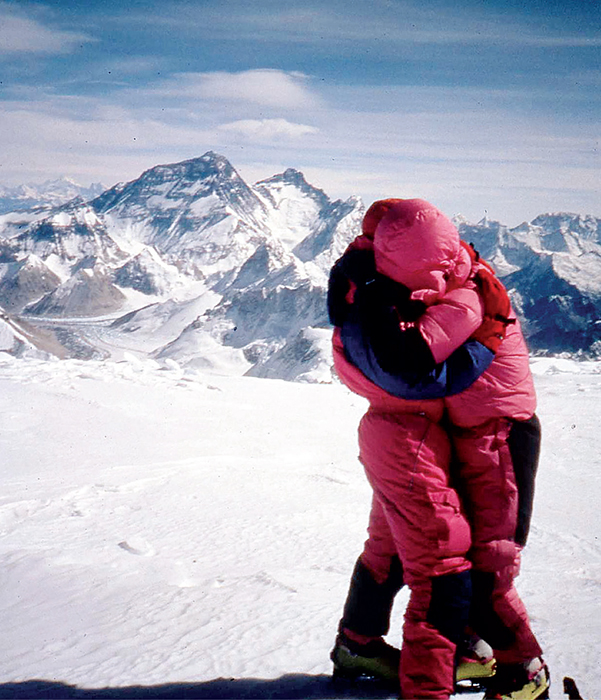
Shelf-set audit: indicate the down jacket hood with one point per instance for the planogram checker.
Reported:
(417, 245)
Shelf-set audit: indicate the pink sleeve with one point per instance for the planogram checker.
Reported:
(451, 321)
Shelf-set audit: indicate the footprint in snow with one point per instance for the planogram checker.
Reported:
(139, 547)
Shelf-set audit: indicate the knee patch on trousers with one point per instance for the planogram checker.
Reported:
(369, 603)
(449, 608)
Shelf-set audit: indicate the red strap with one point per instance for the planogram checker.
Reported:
(497, 306)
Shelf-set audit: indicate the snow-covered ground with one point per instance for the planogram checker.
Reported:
(161, 526)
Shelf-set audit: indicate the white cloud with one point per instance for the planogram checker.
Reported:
(265, 129)
(466, 150)
(264, 87)
(24, 35)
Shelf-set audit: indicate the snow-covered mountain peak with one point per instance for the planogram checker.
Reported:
(76, 214)
(176, 184)
(67, 187)
(291, 184)
(209, 167)
(292, 176)
(586, 226)
(148, 273)
(200, 208)
(459, 219)
(297, 209)
(70, 236)
(51, 193)
(488, 223)
(253, 261)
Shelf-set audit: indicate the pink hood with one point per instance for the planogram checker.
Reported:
(418, 246)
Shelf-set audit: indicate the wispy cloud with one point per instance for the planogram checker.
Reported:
(264, 87)
(20, 34)
(268, 129)
(465, 161)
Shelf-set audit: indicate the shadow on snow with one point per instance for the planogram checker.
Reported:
(289, 687)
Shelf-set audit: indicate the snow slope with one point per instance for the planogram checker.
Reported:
(160, 526)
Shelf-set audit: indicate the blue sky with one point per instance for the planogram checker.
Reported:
(489, 107)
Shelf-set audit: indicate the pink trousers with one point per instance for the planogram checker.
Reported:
(487, 484)
(440, 532)
(417, 515)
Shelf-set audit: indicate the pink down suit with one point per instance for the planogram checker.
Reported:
(416, 514)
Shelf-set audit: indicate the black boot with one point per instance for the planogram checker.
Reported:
(369, 603)
(367, 612)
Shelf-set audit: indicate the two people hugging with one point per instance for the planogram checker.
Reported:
(425, 331)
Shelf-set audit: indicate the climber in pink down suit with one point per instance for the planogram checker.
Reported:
(452, 537)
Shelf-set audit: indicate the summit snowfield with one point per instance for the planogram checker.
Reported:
(234, 275)
(165, 532)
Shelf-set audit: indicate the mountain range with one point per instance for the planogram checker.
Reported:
(46, 195)
(189, 264)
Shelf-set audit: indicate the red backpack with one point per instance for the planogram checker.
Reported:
(497, 306)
